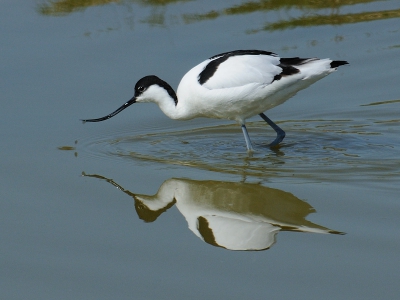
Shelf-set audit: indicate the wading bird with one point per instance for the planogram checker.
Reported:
(234, 85)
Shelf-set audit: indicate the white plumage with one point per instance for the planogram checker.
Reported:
(244, 69)
(234, 85)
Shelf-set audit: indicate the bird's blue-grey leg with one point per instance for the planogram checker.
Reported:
(280, 134)
(247, 138)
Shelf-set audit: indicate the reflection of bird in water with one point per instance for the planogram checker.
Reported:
(235, 216)
(234, 85)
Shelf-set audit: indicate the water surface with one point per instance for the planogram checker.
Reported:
(145, 207)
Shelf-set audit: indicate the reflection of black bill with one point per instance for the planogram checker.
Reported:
(127, 104)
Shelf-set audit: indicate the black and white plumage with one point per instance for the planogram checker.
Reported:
(234, 85)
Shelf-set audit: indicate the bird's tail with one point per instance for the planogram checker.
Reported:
(337, 63)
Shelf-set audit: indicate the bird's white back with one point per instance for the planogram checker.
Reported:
(240, 70)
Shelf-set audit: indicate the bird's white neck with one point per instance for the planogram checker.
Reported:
(165, 99)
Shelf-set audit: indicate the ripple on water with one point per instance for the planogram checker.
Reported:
(317, 150)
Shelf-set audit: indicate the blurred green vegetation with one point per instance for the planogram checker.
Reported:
(268, 5)
(63, 7)
(314, 12)
(57, 8)
(306, 21)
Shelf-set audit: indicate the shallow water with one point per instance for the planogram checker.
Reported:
(341, 150)
(145, 207)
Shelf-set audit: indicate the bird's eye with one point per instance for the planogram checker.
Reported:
(140, 88)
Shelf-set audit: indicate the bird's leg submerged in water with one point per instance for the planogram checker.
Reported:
(247, 138)
(280, 134)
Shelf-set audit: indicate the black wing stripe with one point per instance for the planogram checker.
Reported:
(295, 61)
(218, 59)
(244, 52)
(287, 64)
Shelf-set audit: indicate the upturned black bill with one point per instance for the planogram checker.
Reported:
(129, 103)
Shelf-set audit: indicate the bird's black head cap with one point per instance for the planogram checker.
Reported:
(144, 83)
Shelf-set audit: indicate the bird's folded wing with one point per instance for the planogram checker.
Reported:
(240, 70)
